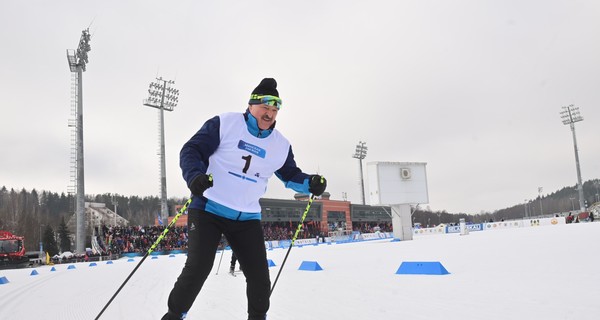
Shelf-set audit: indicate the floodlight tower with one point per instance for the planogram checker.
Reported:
(570, 115)
(116, 204)
(572, 205)
(163, 97)
(360, 153)
(77, 61)
(540, 189)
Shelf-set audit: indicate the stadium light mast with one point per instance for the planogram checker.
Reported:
(77, 62)
(360, 153)
(163, 97)
(115, 203)
(540, 189)
(570, 115)
(572, 204)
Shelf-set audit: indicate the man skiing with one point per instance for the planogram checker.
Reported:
(232, 264)
(226, 165)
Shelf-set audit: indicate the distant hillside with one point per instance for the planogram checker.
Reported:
(561, 201)
(24, 212)
(553, 203)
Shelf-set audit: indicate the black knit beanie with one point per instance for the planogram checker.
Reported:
(267, 87)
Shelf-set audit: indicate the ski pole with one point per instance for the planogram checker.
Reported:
(222, 252)
(160, 238)
(310, 201)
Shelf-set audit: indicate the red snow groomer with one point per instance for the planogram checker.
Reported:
(12, 251)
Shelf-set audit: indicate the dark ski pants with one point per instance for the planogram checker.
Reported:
(247, 241)
(233, 261)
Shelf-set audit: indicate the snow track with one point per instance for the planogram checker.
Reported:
(527, 273)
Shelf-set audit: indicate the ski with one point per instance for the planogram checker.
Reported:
(234, 273)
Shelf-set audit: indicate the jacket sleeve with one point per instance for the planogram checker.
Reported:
(291, 176)
(193, 157)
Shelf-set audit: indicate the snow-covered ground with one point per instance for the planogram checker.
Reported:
(549, 272)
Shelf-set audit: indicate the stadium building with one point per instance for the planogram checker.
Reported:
(325, 215)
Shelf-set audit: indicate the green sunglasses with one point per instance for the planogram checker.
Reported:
(272, 101)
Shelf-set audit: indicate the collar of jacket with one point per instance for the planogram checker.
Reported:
(253, 128)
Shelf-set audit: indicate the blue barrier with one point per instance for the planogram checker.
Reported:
(3, 280)
(154, 253)
(310, 266)
(429, 267)
(34, 273)
(132, 254)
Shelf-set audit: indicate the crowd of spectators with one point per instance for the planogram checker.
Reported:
(285, 230)
(371, 227)
(138, 239)
(131, 239)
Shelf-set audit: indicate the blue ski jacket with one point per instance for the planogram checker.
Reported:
(194, 160)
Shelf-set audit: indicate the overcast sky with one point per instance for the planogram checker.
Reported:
(472, 88)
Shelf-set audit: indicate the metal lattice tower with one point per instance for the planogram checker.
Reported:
(360, 154)
(72, 188)
(77, 61)
(570, 115)
(163, 97)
